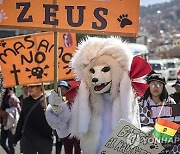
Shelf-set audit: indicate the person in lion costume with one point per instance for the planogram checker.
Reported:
(105, 95)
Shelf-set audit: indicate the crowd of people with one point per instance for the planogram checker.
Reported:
(23, 118)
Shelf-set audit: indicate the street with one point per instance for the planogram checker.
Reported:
(17, 151)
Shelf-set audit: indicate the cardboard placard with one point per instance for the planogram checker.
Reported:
(119, 17)
(127, 139)
(29, 58)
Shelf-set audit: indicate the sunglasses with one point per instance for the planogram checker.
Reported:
(153, 85)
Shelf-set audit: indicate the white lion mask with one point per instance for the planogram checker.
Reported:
(101, 78)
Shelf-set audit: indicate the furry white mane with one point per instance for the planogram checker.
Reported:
(92, 48)
(88, 106)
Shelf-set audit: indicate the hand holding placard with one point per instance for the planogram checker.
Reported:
(126, 138)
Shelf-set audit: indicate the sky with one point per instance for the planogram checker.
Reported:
(151, 2)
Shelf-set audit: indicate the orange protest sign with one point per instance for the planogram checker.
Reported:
(29, 58)
(120, 17)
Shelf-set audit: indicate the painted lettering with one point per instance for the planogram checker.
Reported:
(119, 145)
(66, 57)
(60, 50)
(51, 48)
(49, 14)
(21, 17)
(100, 18)
(50, 11)
(27, 39)
(111, 142)
(70, 16)
(39, 57)
(125, 131)
(24, 58)
(17, 46)
(43, 44)
(67, 67)
(5, 54)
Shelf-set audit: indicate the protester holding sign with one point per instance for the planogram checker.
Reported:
(68, 92)
(63, 86)
(152, 105)
(105, 94)
(32, 126)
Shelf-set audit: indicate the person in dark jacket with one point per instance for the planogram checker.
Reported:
(32, 128)
(176, 94)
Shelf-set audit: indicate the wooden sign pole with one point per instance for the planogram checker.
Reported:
(56, 44)
(56, 40)
(44, 96)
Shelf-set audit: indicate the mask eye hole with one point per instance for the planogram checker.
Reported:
(92, 70)
(105, 69)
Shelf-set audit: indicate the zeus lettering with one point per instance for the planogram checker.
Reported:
(21, 17)
(75, 15)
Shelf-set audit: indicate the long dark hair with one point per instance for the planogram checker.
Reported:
(5, 95)
(5, 98)
(154, 76)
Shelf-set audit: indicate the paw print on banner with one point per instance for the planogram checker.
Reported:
(175, 149)
(2, 15)
(144, 115)
(124, 21)
(2, 43)
(154, 146)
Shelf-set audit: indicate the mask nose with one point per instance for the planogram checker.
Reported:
(95, 80)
